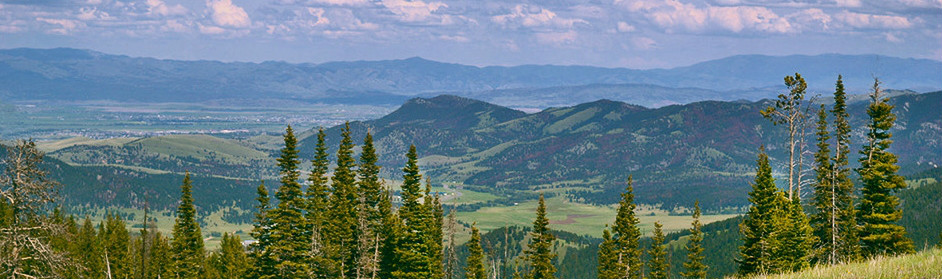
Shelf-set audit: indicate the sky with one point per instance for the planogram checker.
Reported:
(610, 33)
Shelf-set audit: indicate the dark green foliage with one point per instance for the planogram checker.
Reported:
(626, 245)
(115, 239)
(475, 261)
(433, 230)
(160, 262)
(412, 252)
(187, 245)
(846, 240)
(693, 266)
(263, 264)
(658, 264)
(87, 251)
(878, 210)
(370, 212)
(318, 193)
(389, 236)
(540, 252)
(758, 226)
(289, 231)
(825, 217)
(230, 261)
(608, 259)
(922, 210)
(343, 207)
(792, 241)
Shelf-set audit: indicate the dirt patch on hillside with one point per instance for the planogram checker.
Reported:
(570, 219)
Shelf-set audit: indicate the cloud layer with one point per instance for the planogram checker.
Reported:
(553, 30)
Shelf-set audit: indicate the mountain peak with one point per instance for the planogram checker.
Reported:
(450, 111)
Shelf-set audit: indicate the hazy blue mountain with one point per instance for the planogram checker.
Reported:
(71, 74)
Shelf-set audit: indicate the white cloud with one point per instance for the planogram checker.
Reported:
(174, 26)
(674, 15)
(812, 19)
(848, 3)
(624, 27)
(343, 2)
(159, 7)
(413, 11)
(225, 13)
(557, 37)
(534, 16)
(212, 30)
(643, 43)
(870, 21)
(66, 26)
(890, 37)
(455, 38)
(936, 4)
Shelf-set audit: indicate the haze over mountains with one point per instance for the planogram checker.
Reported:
(81, 75)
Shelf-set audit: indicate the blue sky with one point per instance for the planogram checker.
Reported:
(611, 33)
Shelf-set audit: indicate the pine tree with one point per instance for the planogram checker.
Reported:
(627, 237)
(290, 238)
(116, 239)
(789, 110)
(389, 237)
(343, 207)
(758, 225)
(792, 240)
(232, 258)
(87, 251)
(371, 189)
(187, 245)
(263, 263)
(846, 240)
(451, 257)
(433, 231)
(695, 269)
(318, 193)
(160, 262)
(658, 265)
(475, 267)
(608, 260)
(825, 218)
(540, 252)
(878, 210)
(412, 253)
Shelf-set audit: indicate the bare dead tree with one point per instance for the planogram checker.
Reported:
(25, 251)
(788, 110)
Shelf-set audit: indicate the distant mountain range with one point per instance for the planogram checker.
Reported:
(79, 75)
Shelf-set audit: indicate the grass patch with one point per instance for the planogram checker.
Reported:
(925, 264)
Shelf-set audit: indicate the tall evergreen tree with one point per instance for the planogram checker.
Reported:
(389, 237)
(88, 251)
(540, 252)
(758, 225)
(878, 210)
(475, 265)
(160, 261)
(318, 193)
(114, 235)
(608, 260)
(845, 236)
(371, 195)
(187, 246)
(451, 257)
(343, 206)
(825, 217)
(263, 263)
(290, 239)
(412, 253)
(232, 261)
(434, 235)
(658, 265)
(695, 269)
(626, 237)
(792, 241)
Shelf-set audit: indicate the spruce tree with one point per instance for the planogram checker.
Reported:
(234, 263)
(343, 206)
(540, 252)
(878, 210)
(475, 265)
(389, 237)
(161, 261)
(88, 251)
(114, 235)
(758, 225)
(263, 263)
(792, 240)
(627, 237)
(846, 240)
(412, 253)
(371, 195)
(290, 240)
(608, 260)
(318, 193)
(433, 231)
(825, 217)
(694, 267)
(187, 244)
(658, 265)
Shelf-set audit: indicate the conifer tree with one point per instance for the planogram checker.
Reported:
(608, 260)
(343, 207)
(792, 240)
(825, 218)
(116, 239)
(318, 193)
(290, 239)
(187, 245)
(263, 263)
(758, 225)
(389, 237)
(160, 262)
(658, 265)
(540, 252)
(433, 230)
(695, 269)
(878, 210)
(232, 259)
(451, 257)
(371, 195)
(845, 237)
(475, 267)
(87, 251)
(412, 253)
(626, 237)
